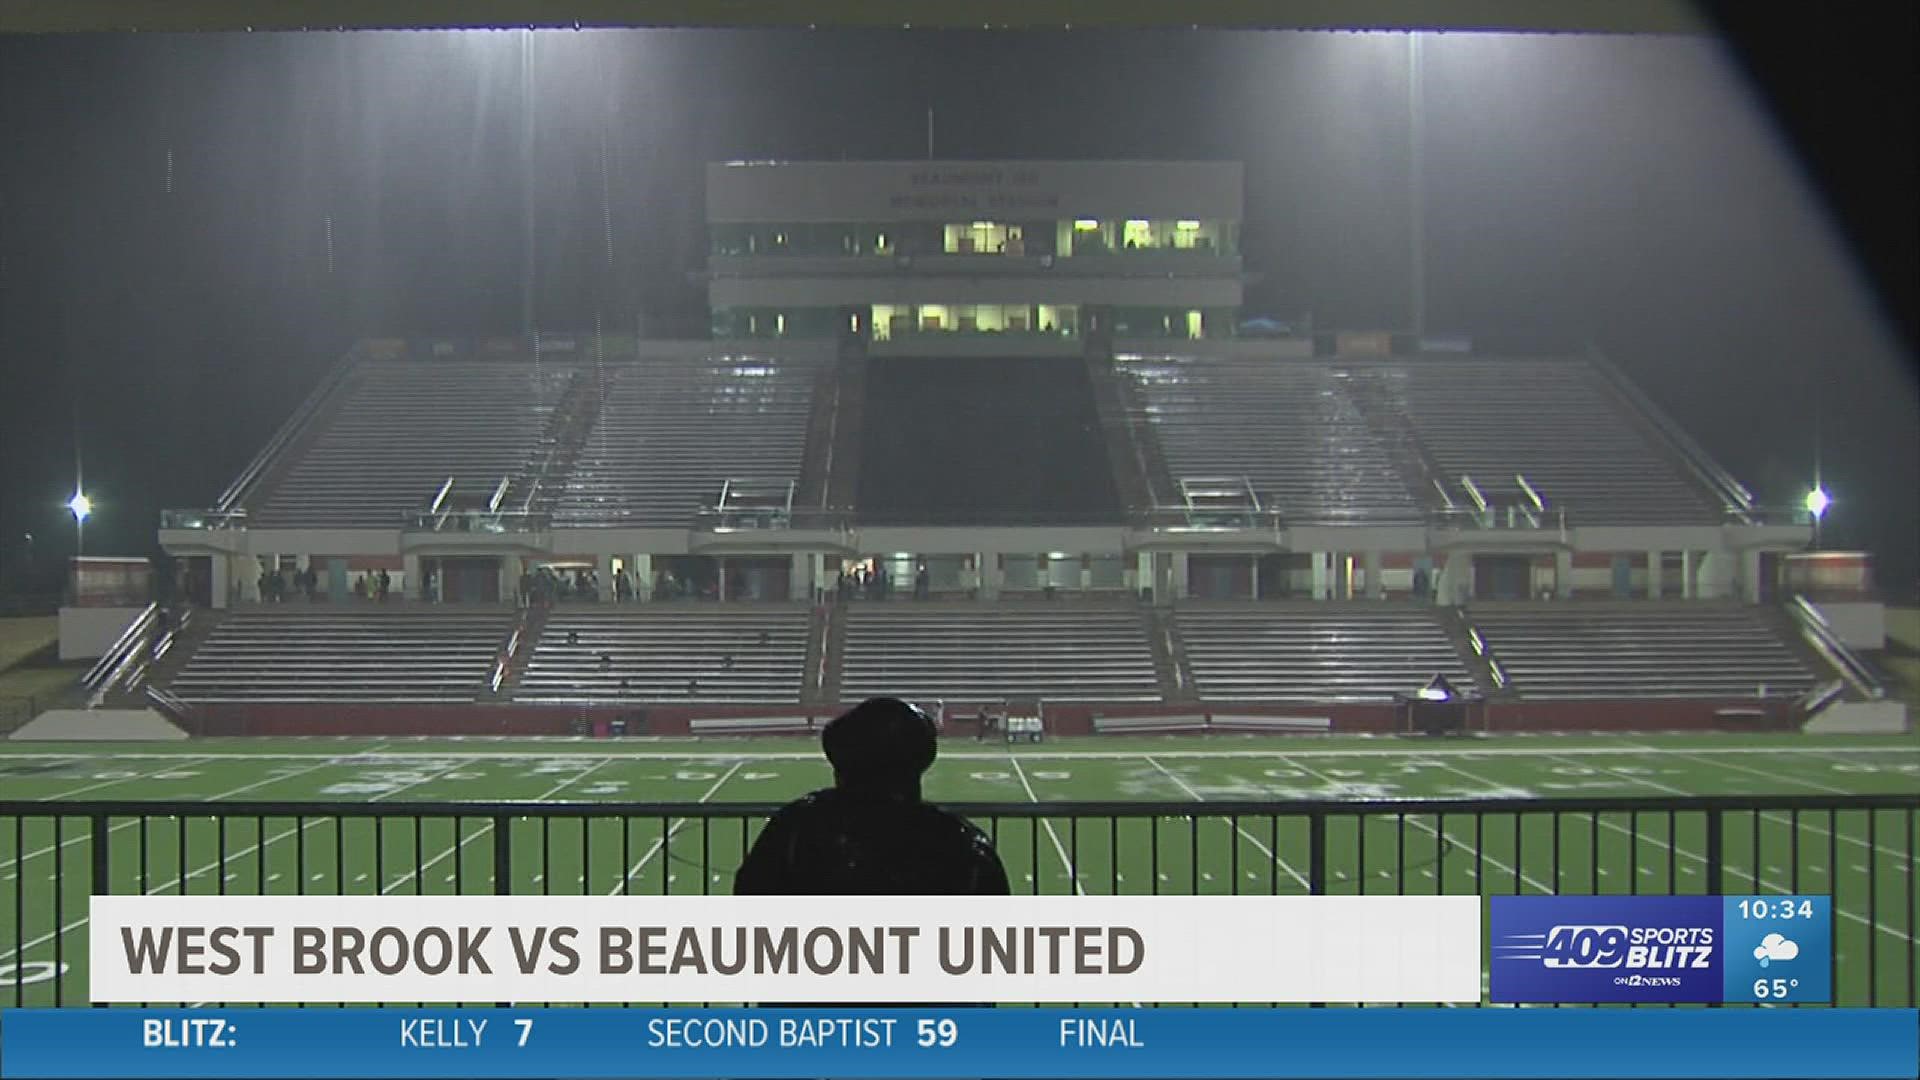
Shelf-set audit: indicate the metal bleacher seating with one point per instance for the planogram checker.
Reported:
(1552, 422)
(400, 429)
(285, 654)
(1315, 653)
(975, 653)
(672, 431)
(674, 652)
(1643, 651)
(1290, 428)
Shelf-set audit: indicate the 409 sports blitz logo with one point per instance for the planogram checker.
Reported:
(1614, 948)
(1635, 947)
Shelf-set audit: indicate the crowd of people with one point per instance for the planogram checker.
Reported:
(862, 583)
(292, 583)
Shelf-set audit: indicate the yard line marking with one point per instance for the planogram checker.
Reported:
(1036, 755)
(1685, 853)
(1052, 833)
(660, 844)
(1614, 770)
(1778, 818)
(1814, 784)
(485, 828)
(1431, 831)
(1264, 849)
(301, 828)
(87, 837)
(123, 779)
(230, 856)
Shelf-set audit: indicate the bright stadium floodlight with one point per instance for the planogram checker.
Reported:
(1817, 502)
(81, 506)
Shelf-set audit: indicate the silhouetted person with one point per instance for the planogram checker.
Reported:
(870, 833)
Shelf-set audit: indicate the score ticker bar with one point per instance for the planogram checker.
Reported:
(1015, 1043)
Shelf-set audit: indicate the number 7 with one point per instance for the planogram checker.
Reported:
(526, 1029)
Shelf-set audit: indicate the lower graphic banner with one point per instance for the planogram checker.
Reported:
(936, 1044)
(1630, 949)
(846, 949)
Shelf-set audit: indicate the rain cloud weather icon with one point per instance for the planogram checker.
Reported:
(1775, 947)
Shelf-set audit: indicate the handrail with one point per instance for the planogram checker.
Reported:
(1820, 634)
(170, 704)
(1473, 492)
(1705, 468)
(115, 655)
(763, 519)
(1822, 696)
(1533, 496)
(474, 521)
(1493, 520)
(499, 493)
(1186, 517)
(203, 520)
(434, 510)
(1652, 804)
(242, 486)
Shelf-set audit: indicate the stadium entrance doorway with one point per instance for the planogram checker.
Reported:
(1502, 577)
(464, 579)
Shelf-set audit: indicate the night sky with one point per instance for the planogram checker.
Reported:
(192, 228)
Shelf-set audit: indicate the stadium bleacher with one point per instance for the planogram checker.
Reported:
(971, 653)
(1316, 652)
(1646, 650)
(672, 431)
(1551, 421)
(711, 653)
(274, 654)
(400, 429)
(1289, 428)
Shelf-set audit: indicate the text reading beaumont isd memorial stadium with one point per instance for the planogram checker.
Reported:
(941, 553)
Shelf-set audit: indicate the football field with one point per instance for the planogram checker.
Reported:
(1864, 858)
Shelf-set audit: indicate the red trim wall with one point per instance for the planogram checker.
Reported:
(1066, 719)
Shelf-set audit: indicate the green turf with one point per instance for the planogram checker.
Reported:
(1865, 860)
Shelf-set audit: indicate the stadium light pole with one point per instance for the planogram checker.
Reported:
(1817, 502)
(82, 508)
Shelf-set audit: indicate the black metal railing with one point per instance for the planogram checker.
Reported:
(1861, 850)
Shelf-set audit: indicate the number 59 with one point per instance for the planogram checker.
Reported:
(942, 1032)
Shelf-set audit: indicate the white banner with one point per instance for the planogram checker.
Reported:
(867, 949)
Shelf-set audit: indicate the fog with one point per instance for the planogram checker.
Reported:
(192, 228)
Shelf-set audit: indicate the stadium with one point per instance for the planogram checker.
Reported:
(1203, 602)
